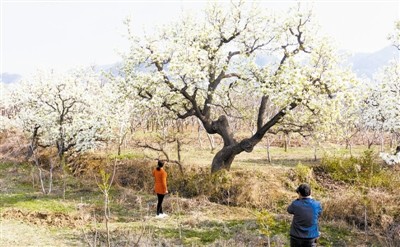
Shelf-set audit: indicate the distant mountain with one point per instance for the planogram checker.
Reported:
(9, 78)
(114, 69)
(363, 64)
(366, 64)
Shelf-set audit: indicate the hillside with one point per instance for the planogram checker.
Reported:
(366, 64)
(227, 209)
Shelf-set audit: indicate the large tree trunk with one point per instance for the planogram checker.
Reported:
(224, 158)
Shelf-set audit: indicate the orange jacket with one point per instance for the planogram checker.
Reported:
(160, 181)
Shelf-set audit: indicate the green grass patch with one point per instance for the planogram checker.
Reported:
(335, 236)
(35, 203)
(5, 167)
(204, 233)
(195, 236)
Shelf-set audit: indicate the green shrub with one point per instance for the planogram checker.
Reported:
(362, 170)
(266, 221)
(304, 173)
(269, 225)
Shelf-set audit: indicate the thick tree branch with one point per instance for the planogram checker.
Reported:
(248, 144)
(262, 111)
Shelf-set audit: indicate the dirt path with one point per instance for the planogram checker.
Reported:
(17, 234)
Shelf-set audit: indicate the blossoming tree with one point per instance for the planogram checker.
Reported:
(121, 112)
(62, 110)
(381, 110)
(395, 36)
(193, 66)
(7, 109)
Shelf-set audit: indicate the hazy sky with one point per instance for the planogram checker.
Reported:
(64, 34)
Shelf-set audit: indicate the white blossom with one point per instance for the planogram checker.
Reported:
(390, 159)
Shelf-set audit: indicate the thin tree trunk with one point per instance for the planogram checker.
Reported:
(268, 150)
(315, 151)
(199, 137)
(63, 175)
(33, 176)
(370, 142)
(95, 234)
(36, 160)
(365, 223)
(41, 180)
(121, 141)
(393, 141)
(50, 178)
(286, 142)
(107, 218)
(179, 149)
(350, 149)
(212, 143)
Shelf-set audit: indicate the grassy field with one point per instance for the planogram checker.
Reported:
(230, 209)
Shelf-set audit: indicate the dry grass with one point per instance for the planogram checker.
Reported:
(220, 209)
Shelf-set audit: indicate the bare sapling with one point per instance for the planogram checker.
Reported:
(33, 152)
(266, 221)
(93, 242)
(105, 186)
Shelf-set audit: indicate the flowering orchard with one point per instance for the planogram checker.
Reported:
(207, 67)
(195, 66)
(381, 108)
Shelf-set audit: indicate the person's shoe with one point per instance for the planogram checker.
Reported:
(164, 215)
(159, 216)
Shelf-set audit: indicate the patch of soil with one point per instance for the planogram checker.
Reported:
(43, 218)
(14, 233)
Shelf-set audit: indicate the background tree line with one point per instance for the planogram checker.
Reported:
(202, 71)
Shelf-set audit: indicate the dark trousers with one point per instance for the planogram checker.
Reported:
(160, 198)
(302, 242)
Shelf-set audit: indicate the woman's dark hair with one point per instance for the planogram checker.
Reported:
(160, 164)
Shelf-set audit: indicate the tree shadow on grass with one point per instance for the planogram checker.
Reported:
(282, 162)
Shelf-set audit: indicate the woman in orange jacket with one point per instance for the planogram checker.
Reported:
(160, 186)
